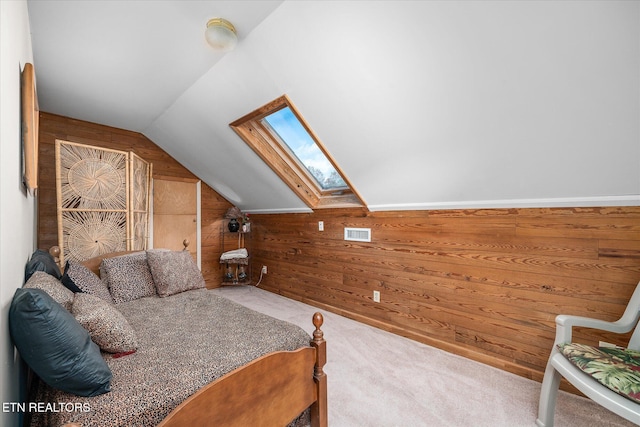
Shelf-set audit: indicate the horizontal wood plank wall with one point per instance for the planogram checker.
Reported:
(52, 127)
(485, 284)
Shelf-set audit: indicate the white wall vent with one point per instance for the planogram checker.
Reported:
(357, 234)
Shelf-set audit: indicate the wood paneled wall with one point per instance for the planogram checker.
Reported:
(485, 284)
(52, 127)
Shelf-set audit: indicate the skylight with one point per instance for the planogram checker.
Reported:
(286, 126)
(280, 136)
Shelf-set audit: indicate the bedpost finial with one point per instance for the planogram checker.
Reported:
(318, 320)
(185, 243)
(55, 251)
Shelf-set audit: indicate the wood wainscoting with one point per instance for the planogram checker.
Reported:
(213, 205)
(486, 284)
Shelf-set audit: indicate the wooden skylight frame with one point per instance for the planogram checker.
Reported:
(267, 145)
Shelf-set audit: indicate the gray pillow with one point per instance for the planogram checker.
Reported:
(55, 346)
(174, 272)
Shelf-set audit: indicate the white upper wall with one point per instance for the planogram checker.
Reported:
(432, 104)
(17, 209)
(423, 104)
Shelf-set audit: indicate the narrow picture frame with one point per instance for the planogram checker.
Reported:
(30, 125)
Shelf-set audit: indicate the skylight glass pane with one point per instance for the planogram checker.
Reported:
(290, 131)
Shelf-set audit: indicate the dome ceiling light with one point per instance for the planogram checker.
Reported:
(221, 34)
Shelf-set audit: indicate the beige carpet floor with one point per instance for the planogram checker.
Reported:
(378, 379)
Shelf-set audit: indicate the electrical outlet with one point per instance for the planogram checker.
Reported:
(376, 296)
(264, 269)
(320, 225)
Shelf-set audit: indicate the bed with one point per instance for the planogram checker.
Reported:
(200, 359)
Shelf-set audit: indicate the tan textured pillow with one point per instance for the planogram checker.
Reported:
(108, 328)
(129, 277)
(52, 286)
(174, 272)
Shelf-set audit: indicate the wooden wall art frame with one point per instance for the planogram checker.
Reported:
(30, 122)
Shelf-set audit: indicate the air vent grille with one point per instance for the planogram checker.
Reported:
(357, 234)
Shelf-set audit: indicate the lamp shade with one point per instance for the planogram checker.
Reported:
(221, 34)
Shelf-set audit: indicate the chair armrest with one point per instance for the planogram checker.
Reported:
(629, 319)
(565, 323)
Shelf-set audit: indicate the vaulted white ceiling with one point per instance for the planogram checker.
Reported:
(423, 104)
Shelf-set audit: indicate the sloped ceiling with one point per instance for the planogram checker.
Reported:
(423, 104)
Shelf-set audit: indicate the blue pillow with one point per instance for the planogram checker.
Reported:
(55, 346)
(42, 261)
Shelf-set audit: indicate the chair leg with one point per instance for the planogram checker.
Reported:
(548, 395)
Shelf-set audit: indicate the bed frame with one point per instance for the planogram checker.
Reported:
(270, 391)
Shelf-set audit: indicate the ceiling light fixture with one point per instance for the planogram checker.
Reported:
(221, 34)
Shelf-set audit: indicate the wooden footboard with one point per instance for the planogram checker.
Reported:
(270, 391)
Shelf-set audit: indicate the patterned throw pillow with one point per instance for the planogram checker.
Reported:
(103, 273)
(174, 272)
(52, 286)
(108, 328)
(129, 277)
(78, 276)
(616, 368)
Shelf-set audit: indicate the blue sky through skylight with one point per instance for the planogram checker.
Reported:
(296, 137)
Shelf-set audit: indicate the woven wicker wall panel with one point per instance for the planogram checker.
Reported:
(96, 190)
(140, 179)
(89, 234)
(91, 177)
